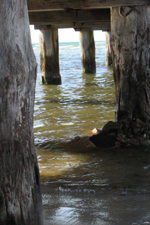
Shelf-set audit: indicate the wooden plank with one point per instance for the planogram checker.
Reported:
(105, 26)
(69, 16)
(40, 5)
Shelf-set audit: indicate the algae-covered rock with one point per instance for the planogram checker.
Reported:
(102, 139)
(113, 134)
(123, 132)
(122, 138)
(144, 142)
(112, 126)
(134, 141)
(79, 144)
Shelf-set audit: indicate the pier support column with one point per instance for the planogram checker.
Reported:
(49, 56)
(20, 195)
(87, 51)
(131, 61)
(108, 61)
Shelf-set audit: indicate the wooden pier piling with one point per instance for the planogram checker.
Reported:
(49, 56)
(131, 61)
(108, 61)
(87, 51)
(20, 196)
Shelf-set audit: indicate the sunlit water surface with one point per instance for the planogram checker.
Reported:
(98, 187)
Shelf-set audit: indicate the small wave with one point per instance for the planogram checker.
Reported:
(35, 46)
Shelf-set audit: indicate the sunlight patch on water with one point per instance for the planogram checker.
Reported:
(55, 164)
(67, 124)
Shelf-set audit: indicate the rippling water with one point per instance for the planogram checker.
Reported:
(104, 185)
(81, 103)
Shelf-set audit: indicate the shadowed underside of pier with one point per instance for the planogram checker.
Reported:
(80, 15)
(72, 18)
(41, 5)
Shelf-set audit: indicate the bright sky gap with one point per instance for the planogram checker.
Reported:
(67, 35)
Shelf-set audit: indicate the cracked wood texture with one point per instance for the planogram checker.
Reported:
(49, 56)
(39, 5)
(87, 51)
(130, 29)
(20, 197)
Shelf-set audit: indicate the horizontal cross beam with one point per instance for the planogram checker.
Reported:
(69, 16)
(40, 5)
(104, 26)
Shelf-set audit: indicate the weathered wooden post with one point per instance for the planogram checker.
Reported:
(20, 197)
(49, 56)
(131, 61)
(108, 61)
(87, 51)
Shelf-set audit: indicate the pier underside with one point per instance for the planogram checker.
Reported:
(48, 5)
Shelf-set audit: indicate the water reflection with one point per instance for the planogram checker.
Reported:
(96, 209)
(107, 187)
(117, 169)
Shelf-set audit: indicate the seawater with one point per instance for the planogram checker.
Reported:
(81, 103)
(101, 187)
(62, 112)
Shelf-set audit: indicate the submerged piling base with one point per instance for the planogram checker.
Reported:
(49, 56)
(87, 51)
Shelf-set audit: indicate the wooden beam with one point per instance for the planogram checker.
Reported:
(104, 26)
(69, 16)
(40, 5)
